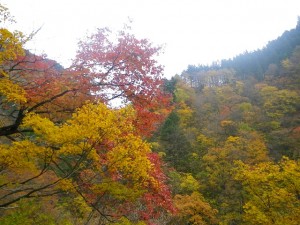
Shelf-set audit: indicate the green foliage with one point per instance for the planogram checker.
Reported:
(174, 143)
(277, 103)
(183, 183)
(27, 213)
(74, 207)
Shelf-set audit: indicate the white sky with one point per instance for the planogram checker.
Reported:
(193, 31)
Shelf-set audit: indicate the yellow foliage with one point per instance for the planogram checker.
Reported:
(41, 126)
(66, 185)
(204, 141)
(232, 139)
(225, 123)
(185, 114)
(279, 102)
(92, 121)
(11, 91)
(20, 161)
(189, 183)
(118, 190)
(249, 148)
(21, 155)
(11, 45)
(126, 155)
(131, 158)
(273, 192)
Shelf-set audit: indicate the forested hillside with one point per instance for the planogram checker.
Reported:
(216, 145)
(234, 136)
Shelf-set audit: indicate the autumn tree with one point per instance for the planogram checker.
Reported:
(104, 70)
(60, 140)
(216, 172)
(191, 206)
(273, 192)
(124, 67)
(193, 209)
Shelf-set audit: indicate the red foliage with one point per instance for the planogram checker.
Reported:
(159, 198)
(50, 89)
(125, 69)
(105, 69)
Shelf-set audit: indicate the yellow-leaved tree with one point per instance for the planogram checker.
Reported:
(88, 165)
(273, 192)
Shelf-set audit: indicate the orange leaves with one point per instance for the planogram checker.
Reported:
(195, 209)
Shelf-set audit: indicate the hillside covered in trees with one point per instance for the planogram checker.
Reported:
(217, 144)
(233, 138)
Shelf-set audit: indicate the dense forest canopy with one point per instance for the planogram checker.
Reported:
(233, 136)
(217, 144)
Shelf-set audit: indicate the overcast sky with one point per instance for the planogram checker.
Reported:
(193, 31)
